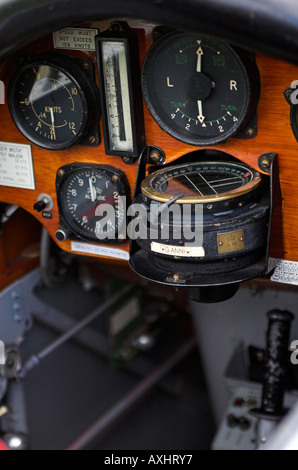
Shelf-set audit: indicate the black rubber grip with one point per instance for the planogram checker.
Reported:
(278, 336)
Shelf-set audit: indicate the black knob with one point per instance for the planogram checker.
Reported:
(62, 235)
(40, 206)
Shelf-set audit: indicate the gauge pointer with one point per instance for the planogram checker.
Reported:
(199, 52)
(92, 190)
(192, 183)
(53, 122)
(201, 118)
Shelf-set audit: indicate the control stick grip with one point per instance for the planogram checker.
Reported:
(278, 336)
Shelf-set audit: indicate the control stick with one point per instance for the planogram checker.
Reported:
(272, 410)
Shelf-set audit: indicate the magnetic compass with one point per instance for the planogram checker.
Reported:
(207, 224)
(204, 182)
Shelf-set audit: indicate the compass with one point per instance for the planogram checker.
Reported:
(207, 225)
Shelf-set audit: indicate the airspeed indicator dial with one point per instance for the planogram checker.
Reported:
(196, 88)
(51, 101)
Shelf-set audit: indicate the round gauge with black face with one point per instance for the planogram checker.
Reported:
(203, 182)
(196, 88)
(48, 104)
(90, 203)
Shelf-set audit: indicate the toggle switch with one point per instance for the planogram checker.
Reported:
(44, 203)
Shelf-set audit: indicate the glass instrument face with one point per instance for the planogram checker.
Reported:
(81, 194)
(117, 96)
(196, 88)
(201, 182)
(48, 106)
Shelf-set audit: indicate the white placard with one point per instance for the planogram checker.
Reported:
(109, 252)
(16, 166)
(179, 251)
(285, 272)
(75, 39)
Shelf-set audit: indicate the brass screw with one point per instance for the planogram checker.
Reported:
(266, 163)
(250, 132)
(176, 277)
(155, 156)
(115, 178)
(61, 172)
(92, 140)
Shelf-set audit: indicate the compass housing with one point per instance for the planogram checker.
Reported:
(235, 226)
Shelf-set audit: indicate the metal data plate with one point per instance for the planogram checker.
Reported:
(230, 242)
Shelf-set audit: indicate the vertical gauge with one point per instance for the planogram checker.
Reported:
(117, 96)
(121, 99)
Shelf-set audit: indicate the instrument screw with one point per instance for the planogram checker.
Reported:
(128, 160)
(92, 140)
(61, 173)
(250, 132)
(116, 27)
(155, 156)
(115, 178)
(266, 163)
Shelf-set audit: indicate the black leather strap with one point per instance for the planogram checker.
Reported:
(268, 26)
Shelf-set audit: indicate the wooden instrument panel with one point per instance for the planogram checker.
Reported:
(274, 135)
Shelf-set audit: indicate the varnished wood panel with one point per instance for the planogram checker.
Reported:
(274, 135)
(19, 247)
